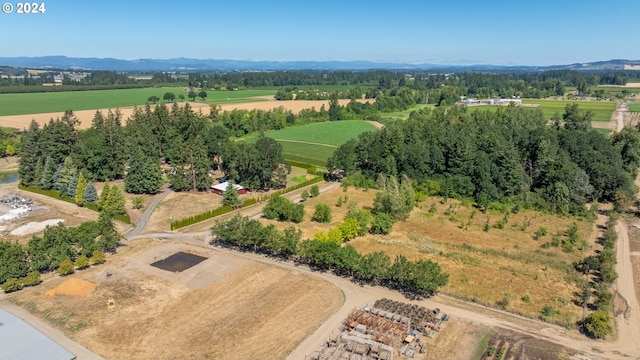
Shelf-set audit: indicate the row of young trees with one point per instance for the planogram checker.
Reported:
(494, 156)
(421, 277)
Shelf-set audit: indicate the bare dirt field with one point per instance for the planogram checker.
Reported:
(85, 116)
(9, 164)
(226, 307)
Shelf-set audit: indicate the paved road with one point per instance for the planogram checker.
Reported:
(147, 213)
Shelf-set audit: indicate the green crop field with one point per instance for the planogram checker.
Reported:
(634, 107)
(314, 143)
(403, 115)
(601, 109)
(34, 103)
(307, 153)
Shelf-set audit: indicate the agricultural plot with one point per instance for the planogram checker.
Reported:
(314, 143)
(36, 103)
(601, 109)
(634, 107)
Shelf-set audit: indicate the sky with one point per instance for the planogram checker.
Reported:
(530, 32)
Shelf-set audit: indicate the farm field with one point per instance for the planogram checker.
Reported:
(601, 109)
(36, 103)
(226, 307)
(634, 107)
(314, 143)
(403, 115)
(484, 267)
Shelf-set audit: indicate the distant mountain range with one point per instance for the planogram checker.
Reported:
(186, 64)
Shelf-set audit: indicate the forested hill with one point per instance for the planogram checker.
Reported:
(507, 155)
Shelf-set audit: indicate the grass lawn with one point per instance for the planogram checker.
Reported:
(34, 103)
(606, 132)
(634, 107)
(601, 110)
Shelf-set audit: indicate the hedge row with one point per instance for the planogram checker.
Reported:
(180, 223)
(56, 195)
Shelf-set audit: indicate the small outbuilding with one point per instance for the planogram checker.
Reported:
(19, 340)
(222, 187)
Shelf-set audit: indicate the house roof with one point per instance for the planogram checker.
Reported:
(223, 186)
(19, 340)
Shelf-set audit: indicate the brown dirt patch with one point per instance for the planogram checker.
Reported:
(181, 205)
(9, 164)
(226, 307)
(446, 344)
(85, 116)
(72, 287)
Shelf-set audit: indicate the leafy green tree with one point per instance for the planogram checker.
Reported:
(181, 97)
(137, 202)
(192, 95)
(231, 197)
(169, 96)
(598, 324)
(396, 200)
(154, 99)
(315, 191)
(114, 201)
(80, 189)
(382, 224)
(322, 213)
(335, 110)
(305, 195)
(13, 261)
(66, 267)
(202, 94)
(350, 229)
(90, 195)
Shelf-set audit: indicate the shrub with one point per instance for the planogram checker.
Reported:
(82, 262)
(12, 285)
(526, 298)
(97, 257)
(349, 229)
(66, 267)
(598, 324)
(137, 202)
(322, 213)
(548, 311)
(542, 231)
(32, 279)
(381, 224)
(305, 195)
(315, 191)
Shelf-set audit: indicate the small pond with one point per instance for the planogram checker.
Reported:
(179, 262)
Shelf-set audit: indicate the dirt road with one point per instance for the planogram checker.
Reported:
(628, 323)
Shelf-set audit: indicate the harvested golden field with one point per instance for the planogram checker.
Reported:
(226, 307)
(498, 267)
(85, 116)
(181, 205)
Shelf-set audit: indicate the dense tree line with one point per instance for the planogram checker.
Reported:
(421, 277)
(494, 156)
(58, 243)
